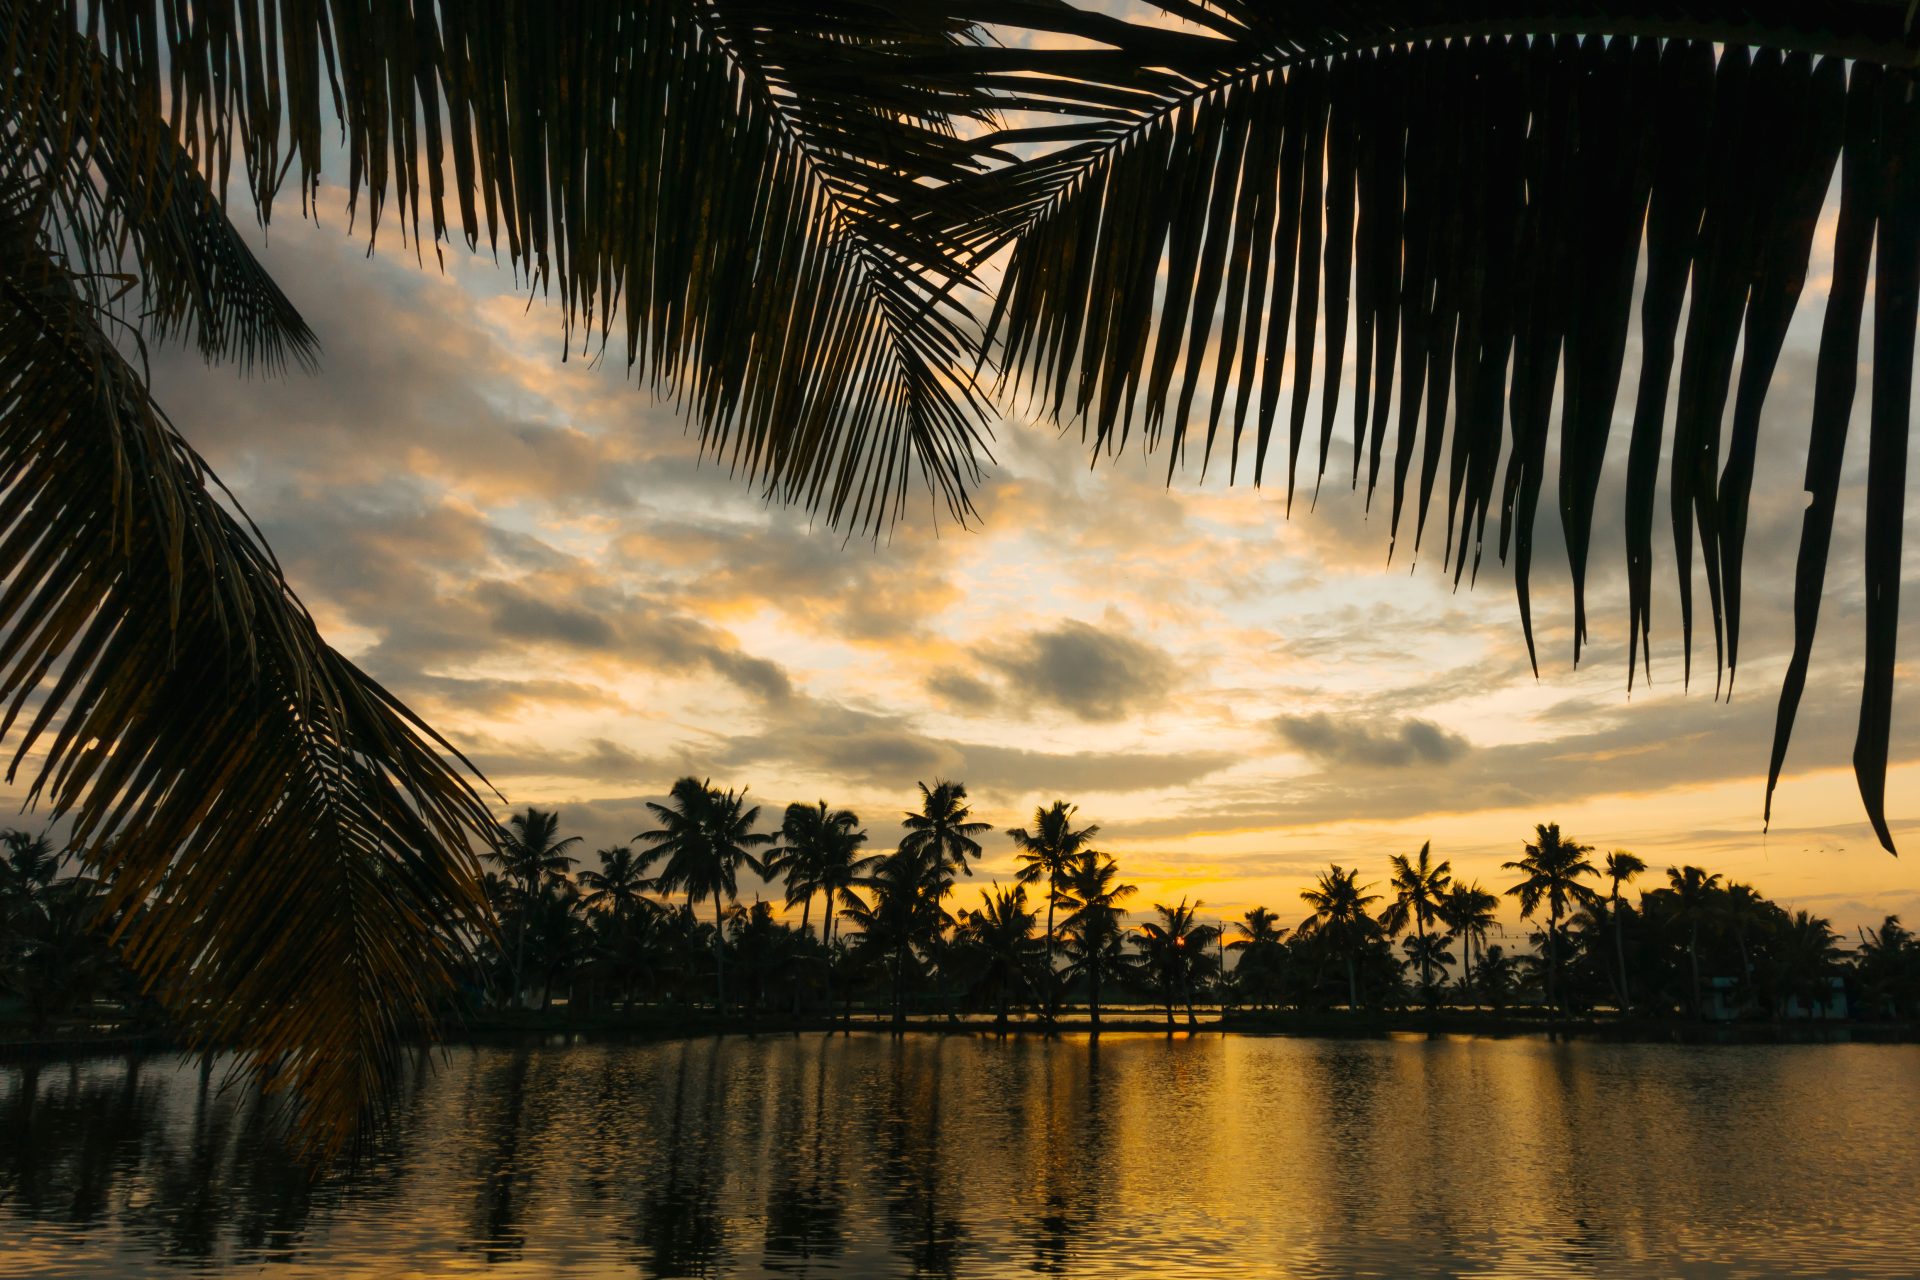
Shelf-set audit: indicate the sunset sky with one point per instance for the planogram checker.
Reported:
(529, 553)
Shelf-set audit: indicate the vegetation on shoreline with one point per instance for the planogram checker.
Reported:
(658, 936)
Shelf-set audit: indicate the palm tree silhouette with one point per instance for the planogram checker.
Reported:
(1553, 866)
(1174, 954)
(1261, 941)
(1619, 868)
(1047, 853)
(531, 856)
(705, 835)
(902, 913)
(618, 887)
(1341, 915)
(817, 853)
(1888, 967)
(1420, 887)
(1471, 912)
(942, 837)
(812, 839)
(1001, 930)
(1694, 902)
(1093, 943)
(1743, 911)
(1806, 954)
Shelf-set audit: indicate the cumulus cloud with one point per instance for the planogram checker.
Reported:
(1343, 741)
(1094, 673)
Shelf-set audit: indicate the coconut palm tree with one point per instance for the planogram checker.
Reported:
(1175, 954)
(1092, 927)
(1261, 941)
(944, 837)
(942, 833)
(1888, 966)
(1806, 953)
(1419, 891)
(815, 842)
(1472, 913)
(618, 887)
(1619, 868)
(902, 915)
(1743, 911)
(1342, 916)
(705, 835)
(1000, 931)
(1695, 895)
(1554, 867)
(1425, 954)
(812, 839)
(531, 855)
(1045, 854)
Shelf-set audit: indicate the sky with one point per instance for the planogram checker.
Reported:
(529, 551)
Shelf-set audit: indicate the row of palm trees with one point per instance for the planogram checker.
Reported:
(889, 930)
(1592, 947)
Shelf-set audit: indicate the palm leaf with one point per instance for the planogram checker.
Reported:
(284, 843)
(744, 186)
(1488, 195)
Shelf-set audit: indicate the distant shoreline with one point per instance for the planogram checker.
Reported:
(560, 1031)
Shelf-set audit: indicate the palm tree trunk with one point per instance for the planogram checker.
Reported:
(806, 906)
(1553, 964)
(520, 948)
(1093, 996)
(719, 957)
(827, 929)
(1620, 953)
(1426, 969)
(1052, 981)
(1353, 985)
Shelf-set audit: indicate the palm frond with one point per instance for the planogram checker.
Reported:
(1488, 196)
(286, 845)
(145, 232)
(745, 185)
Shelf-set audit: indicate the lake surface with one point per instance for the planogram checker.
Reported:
(971, 1156)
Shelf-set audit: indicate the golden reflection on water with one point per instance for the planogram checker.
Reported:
(960, 1155)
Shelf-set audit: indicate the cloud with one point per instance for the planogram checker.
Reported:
(1332, 741)
(1089, 672)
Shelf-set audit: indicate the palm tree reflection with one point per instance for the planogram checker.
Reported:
(679, 1229)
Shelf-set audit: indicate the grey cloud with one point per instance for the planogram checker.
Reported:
(521, 615)
(600, 761)
(886, 751)
(1347, 741)
(962, 692)
(1088, 672)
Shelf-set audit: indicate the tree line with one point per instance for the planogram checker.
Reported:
(661, 922)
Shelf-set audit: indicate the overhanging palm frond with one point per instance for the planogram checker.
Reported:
(145, 233)
(745, 183)
(1475, 204)
(285, 844)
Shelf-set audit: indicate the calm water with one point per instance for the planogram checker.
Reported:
(867, 1156)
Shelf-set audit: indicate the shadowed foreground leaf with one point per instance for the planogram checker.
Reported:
(1488, 195)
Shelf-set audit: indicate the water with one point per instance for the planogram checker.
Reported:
(868, 1156)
